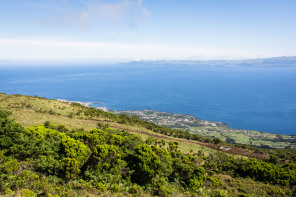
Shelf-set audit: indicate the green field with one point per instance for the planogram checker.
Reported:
(215, 129)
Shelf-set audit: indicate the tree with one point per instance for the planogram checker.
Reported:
(145, 163)
(197, 179)
(70, 168)
(105, 157)
(75, 149)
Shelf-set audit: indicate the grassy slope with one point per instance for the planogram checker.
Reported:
(214, 129)
(31, 111)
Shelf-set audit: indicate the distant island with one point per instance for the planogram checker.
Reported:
(262, 62)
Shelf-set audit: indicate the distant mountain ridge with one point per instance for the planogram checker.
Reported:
(274, 61)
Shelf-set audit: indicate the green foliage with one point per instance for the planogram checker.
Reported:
(75, 149)
(229, 140)
(9, 130)
(115, 139)
(150, 140)
(147, 163)
(160, 187)
(91, 138)
(29, 180)
(52, 160)
(215, 182)
(105, 157)
(217, 141)
(197, 179)
(100, 187)
(135, 190)
(49, 125)
(114, 188)
(262, 171)
(287, 155)
(35, 141)
(4, 114)
(162, 142)
(76, 104)
(273, 159)
(184, 169)
(47, 164)
(165, 167)
(70, 168)
(173, 148)
(10, 166)
(28, 193)
(62, 128)
(218, 193)
(102, 126)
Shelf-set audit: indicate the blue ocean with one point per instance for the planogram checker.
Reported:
(254, 98)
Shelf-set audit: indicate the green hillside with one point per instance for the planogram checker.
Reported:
(52, 148)
(214, 129)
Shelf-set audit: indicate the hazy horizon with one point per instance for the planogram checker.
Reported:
(128, 30)
(111, 61)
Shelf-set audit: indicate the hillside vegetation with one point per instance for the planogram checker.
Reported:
(214, 129)
(51, 148)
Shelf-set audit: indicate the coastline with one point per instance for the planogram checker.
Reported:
(86, 104)
(193, 124)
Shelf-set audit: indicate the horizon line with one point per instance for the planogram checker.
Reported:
(123, 60)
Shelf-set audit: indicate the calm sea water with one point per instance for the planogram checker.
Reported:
(254, 98)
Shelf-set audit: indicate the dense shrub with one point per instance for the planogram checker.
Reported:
(49, 160)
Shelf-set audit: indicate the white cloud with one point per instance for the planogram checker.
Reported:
(97, 10)
(24, 49)
(90, 12)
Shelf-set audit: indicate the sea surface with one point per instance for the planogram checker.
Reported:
(253, 98)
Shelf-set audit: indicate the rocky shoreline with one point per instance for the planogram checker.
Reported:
(86, 104)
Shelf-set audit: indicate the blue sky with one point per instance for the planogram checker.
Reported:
(123, 30)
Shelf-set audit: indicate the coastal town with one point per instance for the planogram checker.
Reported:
(182, 121)
(213, 129)
(205, 128)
